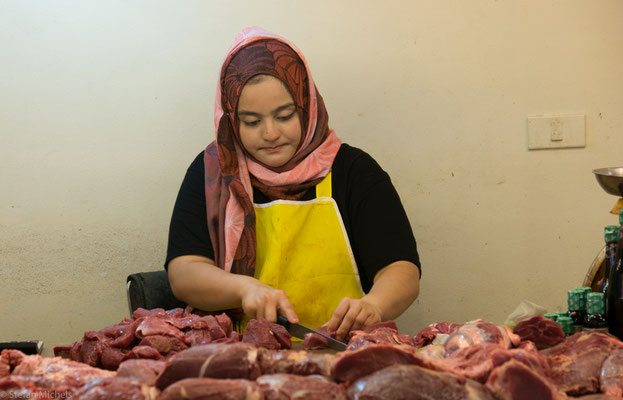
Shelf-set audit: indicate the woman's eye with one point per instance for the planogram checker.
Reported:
(286, 117)
(251, 123)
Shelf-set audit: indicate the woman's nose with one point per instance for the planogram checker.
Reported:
(270, 131)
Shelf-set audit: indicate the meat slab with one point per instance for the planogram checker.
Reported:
(311, 387)
(40, 376)
(380, 333)
(266, 334)
(352, 365)
(116, 389)
(516, 381)
(214, 360)
(611, 378)
(296, 362)
(212, 389)
(411, 382)
(541, 331)
(576, 363)
(478, 361)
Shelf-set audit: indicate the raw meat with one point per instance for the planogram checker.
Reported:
(212, 389)
(428, 334)
(352, 365)
(152, 334)
(214, 360)
(145, 371)
(380, 333)
(477, 361)
(313, 387)
(142, 352)
(151, 326)
(225, 322)
(155, 312)
(216, 331)
(164, 344)
(479, 331)
(111, 357)
(116, 389)
(515, 381)
(53, 376)
(311, 341)
(542, 331)
(576, 363)
(411, 382)
(188, 321)
(266, 334)
(9, 359)
(385, 324)
(12, 389)
(296, 362)
(198, 336)
(611, 378)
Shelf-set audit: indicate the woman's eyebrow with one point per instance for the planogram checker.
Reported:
(275, 111)
(283, 107)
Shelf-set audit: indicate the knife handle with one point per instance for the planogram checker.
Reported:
(283, 321)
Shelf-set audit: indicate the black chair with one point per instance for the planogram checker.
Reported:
(151, 290)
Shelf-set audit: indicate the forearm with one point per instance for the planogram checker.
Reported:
(197, 281)
(395, 288)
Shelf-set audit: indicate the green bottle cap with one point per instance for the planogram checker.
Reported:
(560, 314)
(584, 291)
(551, 316)
(574, 300)
(595, 303)
(611, 233)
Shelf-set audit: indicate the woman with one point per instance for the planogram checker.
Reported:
(278, 216)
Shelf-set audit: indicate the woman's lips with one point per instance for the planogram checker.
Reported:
(273, 149)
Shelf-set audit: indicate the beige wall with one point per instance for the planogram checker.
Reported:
(104, 104)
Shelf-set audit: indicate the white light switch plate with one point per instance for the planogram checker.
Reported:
(556, 131)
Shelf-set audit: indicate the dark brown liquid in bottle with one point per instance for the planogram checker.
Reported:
(614, 294)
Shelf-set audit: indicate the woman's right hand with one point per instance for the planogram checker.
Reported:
(262, 301)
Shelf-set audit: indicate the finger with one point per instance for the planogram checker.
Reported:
(348, 321)
(286, 309)
(250, 311)
(259, 313)
(359, 321)
(371, 320)
(270, 309)
(338, 315)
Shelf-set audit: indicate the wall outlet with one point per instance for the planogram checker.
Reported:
(556, 131)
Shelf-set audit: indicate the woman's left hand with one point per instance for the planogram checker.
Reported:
(394, 289)
(352, 314)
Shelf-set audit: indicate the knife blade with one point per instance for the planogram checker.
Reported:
(299, 331)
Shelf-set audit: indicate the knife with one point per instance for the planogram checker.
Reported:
(299, 331)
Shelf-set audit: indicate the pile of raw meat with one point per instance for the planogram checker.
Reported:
(160, 354)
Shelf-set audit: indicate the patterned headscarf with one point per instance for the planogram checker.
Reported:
(231, 172)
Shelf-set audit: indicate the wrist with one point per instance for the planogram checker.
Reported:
(375, 304)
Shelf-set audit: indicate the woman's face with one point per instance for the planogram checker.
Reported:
(270, 129)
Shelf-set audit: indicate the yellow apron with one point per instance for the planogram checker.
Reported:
(303, 249)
